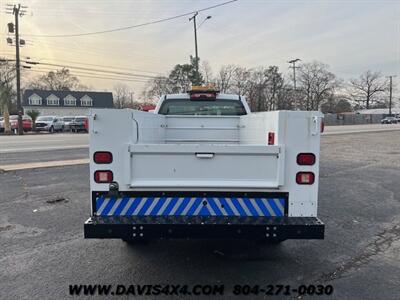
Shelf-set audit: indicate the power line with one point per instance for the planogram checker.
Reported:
(90, 69)
(96, 70)
(47, 69)
(96, 65)
(37, 58)
(97, 77)
(133, 26)
(84, 71)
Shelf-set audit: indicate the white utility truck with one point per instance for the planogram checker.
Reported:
(203, 166)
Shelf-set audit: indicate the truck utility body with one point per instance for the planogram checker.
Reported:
(201, 169)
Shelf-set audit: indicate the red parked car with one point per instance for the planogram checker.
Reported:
(26, 122)
(80, 123)
(86, 124)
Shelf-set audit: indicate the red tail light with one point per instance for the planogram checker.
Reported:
(102, 157)
(103, 176)
(322, 126)
(271, 138)
(305, 159)
(305, 178)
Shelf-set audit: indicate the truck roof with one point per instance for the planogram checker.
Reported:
(187, 96)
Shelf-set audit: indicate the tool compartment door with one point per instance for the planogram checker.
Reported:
(205, 166)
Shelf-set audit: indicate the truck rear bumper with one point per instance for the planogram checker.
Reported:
(199, 227)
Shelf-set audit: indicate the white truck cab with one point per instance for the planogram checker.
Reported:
(203, 166)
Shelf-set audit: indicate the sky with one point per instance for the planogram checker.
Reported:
(350, 36)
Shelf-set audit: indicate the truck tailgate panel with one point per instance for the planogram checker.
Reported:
(171, 165)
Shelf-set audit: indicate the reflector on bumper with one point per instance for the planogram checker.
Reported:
(191, 206)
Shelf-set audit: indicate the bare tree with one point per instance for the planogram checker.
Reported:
(224, 78)
(285, 96)
(60, 80)
(264, 89)
(368, 88)
(263, 86)
(317, 84)
(207, 73)
(240, 81)
(123, 96)
(256, 93)
(156, 87)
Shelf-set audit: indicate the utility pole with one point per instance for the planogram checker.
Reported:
(195, 43)
(17, 11)
(18, 69)
(390, 93)
(293, 62)
(195, 46)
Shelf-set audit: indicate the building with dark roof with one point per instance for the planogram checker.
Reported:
(65, 103)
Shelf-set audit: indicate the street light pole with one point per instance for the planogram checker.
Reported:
(390, 93)
(195, 46)
(293, 62)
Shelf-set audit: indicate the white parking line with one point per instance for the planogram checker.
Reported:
(43, 148)
(359, 131)
(44, 164)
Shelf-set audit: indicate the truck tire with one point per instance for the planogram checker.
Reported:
(51, 130)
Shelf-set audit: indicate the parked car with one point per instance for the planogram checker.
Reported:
(49, 123)
(79, 124)
(1, 124)
(389, 120)
(68, 120)
(86, 124)
(26, 123)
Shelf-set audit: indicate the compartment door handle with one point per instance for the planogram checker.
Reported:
(205, 155)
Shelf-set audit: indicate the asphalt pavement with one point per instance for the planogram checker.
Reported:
(42, 142)
(43, 251)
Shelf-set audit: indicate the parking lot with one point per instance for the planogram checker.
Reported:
(43, 210)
